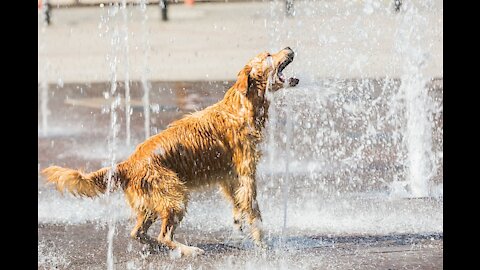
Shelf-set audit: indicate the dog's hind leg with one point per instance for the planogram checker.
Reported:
(168, 197)
(246, 195)
(139, 232)
(169, 223)
(228, 188)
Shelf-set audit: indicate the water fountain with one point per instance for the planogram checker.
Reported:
(369, 139)
(126, 52)
(44, 107)
(43, 96)
(418, 103)
(352, 155)
(114, 98)
(145, 85)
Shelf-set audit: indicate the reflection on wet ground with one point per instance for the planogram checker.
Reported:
(84, 246)
(345, 209)
(78, 114)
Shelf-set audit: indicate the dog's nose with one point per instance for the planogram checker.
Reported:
(290, 53)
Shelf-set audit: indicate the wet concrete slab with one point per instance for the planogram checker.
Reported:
(84, 246)
(212, 41)
(363, 229)
(77, 118)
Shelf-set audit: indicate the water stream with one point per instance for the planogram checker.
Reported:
(358, 150)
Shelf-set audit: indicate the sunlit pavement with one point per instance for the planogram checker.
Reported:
(325, 230)
(212, 41)
(84, 246)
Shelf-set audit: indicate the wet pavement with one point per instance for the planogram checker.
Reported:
(77, 119)
(85, 246)
(212, 41)
(330, 225)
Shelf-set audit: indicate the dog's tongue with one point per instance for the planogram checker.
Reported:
(282, 67)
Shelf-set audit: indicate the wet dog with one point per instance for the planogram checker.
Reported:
(218, 145)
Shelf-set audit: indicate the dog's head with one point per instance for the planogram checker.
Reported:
(265, 72)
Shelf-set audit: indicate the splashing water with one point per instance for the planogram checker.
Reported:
(371, 132)
(115, 100)
(44, 107)
(418, 105)
(50, 257)
(125, 34)
(345, 150)
(44, 84)
(288, 155)
(144, 76)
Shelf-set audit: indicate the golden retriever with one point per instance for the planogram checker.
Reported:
(218, 145)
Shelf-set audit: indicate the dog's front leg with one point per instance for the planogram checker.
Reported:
(246, 195)
(229, 187)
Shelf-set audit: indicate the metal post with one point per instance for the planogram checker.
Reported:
(289, 8)
(397, 5)
(163, 8)
(46, 8)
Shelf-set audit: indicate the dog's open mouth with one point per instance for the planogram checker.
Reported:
(282, 66)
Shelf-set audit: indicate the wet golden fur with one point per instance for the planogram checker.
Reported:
(218, 145)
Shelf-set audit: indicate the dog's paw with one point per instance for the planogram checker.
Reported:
(183, 250)
(261, 245)
(293, 81)
(238, 225)
(192, 251)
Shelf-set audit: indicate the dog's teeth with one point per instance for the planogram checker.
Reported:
(281, 77)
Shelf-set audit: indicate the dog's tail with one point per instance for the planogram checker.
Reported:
(84, 184)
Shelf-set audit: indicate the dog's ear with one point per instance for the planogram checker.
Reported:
(243, 79)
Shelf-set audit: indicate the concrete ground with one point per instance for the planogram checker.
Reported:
(359, 230)
(212, 41)
(85, 247)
